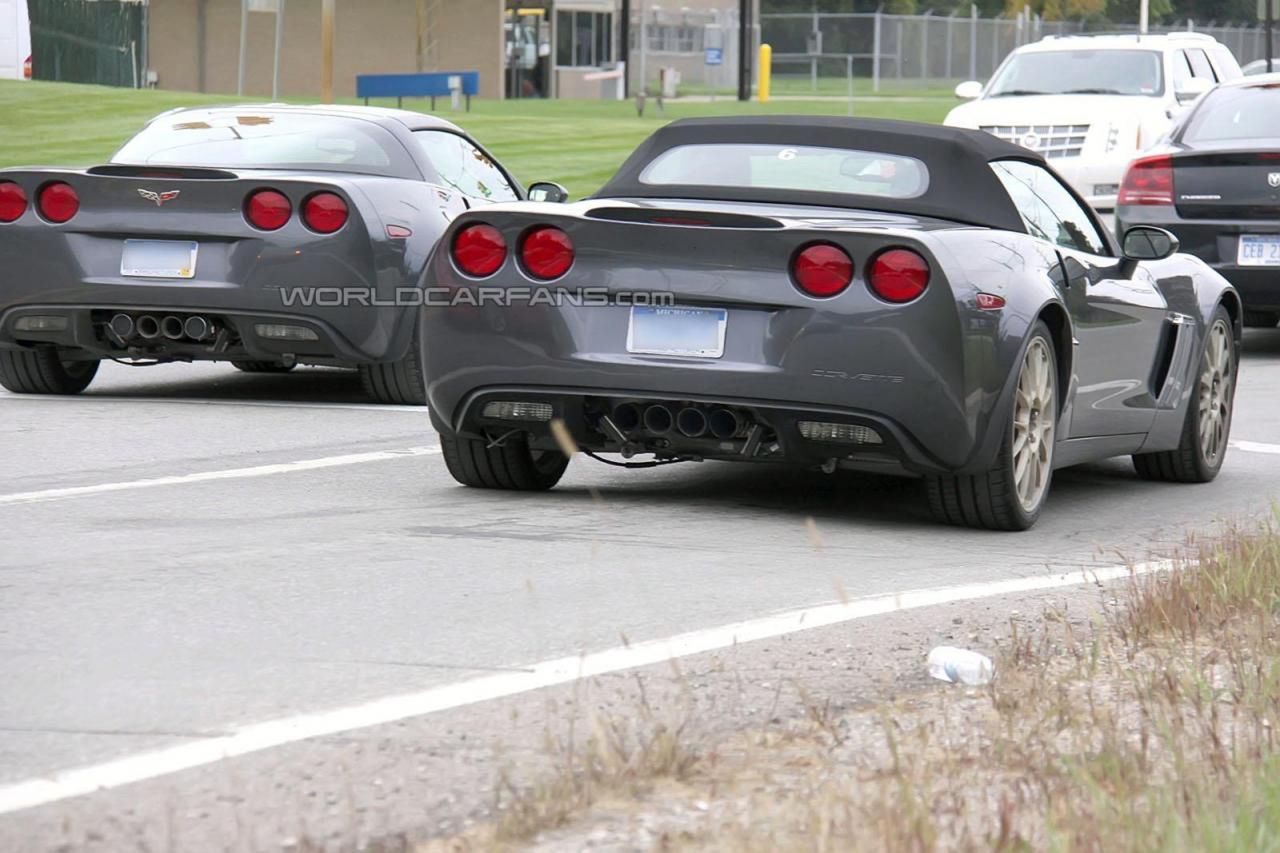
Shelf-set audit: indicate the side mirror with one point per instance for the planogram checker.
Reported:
(1148, 243)
(968, 90)
(548, 191)
(1192, 89)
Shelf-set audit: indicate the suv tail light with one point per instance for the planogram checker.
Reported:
(267, 210)
(57, 201)
(324, 212)
(822, 269)
(13, 201)
(898, 275)
(547, 252)
(479, 250)
(1148, 180)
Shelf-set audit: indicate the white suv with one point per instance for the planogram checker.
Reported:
(1089, 104)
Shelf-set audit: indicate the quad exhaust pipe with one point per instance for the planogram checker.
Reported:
(171, 326)
(724, 423)
(197, 328)
(657, 419)
(148, 327)
(689, 421)
(122, 326)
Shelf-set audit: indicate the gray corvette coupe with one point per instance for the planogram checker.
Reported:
(266, 236)
(831, 293)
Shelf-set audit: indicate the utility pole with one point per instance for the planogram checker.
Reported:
(1144, 16)
(624, 47)
(744, 50)
(326, 51)
(1271, 20)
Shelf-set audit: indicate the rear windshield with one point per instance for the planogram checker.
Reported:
(1245, 114)
(268, 141)
(789, 167)
(1080, 72)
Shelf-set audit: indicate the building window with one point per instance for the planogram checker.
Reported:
(584, 38)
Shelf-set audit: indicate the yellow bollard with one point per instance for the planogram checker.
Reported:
(766, 72)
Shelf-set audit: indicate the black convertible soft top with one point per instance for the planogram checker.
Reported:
(961, 187)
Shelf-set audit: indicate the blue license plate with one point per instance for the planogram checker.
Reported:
(671, 330)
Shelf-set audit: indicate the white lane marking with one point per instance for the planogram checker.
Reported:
(204, 401)
(209, 476)
(1256, 447)
(261, 736)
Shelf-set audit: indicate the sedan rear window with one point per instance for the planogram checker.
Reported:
(268, 141)
(1248, 113)
(803, 168)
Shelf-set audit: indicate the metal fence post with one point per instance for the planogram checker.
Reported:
(973, 41)
(849, 75)
(875, 48)
(951, 20)
(924, 45)
(897, 63)
(244, 38)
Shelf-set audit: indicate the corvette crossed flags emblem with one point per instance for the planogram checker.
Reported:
(159, 198)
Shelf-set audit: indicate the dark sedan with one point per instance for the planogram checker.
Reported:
(1216, 186)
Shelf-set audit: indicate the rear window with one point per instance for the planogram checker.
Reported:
(1251, 113)
(789, 167)
(268, 141)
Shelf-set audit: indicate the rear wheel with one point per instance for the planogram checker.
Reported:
(1199, 454)
(510, 464)
(1261, 319)
(263, 366)
(1010, 495)
(44, 371)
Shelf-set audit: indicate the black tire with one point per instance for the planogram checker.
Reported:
(1261, 319)
(510, 465)
(396, 382)
(990, 499)
(1190, 462)
(263, 366)
(42, 371)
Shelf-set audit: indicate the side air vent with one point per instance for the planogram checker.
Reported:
(685, 218)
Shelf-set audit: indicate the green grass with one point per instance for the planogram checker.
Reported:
(577, 143)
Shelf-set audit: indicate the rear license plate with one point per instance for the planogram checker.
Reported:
(159, 259)
(1259, 250)
(697, 332)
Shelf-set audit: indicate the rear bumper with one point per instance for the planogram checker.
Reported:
(1095, 178)
(85, 329)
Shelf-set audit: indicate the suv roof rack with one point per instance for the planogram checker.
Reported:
(1179, 34)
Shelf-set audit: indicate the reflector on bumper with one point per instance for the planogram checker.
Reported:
(842, 433)
(510, 410)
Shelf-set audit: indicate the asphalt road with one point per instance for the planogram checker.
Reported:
(135, 618)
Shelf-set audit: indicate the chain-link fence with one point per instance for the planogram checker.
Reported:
(699, 45)
(88, 42)
(811, 52)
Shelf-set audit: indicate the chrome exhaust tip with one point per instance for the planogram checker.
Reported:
(723, 423)
(657, 419)
(626, 416)
(691, 422)
(197, 328)
(122, 326)
(148, 327)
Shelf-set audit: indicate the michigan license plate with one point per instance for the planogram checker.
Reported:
(1259, 250)
(671, 330)
(159, 258)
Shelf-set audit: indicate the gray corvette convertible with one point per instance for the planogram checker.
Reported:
(831, 293)
(266, 236)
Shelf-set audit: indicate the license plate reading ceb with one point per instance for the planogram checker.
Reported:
(671, 330)
(159, 259)
(1259, 250)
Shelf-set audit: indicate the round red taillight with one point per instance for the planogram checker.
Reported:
(13, 201)
(58, 202)
(324, 212)
(898, 275)
(267, 210)
(547, 252)
(822, 269)
(479, 250)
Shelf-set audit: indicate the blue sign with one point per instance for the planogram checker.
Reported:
(715, 56)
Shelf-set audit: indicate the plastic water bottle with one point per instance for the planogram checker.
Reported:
(947, 663)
